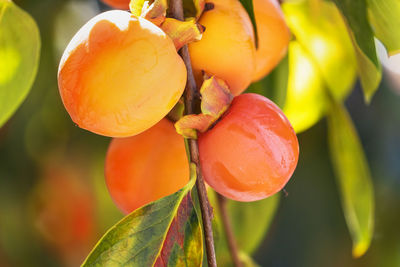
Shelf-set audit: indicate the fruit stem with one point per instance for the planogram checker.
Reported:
(176, 11)
(230, 238)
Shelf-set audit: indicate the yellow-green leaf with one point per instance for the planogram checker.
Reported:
(353, 176)
(369, 69)
(19, 57)
(384, 18)
(305, 100)
(322, 33)
(317, 57)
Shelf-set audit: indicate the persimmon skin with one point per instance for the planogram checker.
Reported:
(119, 4)
(227, 46)
(146, 167)
(273, 36)
(120, 75)
(252, 152)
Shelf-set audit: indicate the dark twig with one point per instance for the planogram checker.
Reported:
(176, 11)
(230, 238)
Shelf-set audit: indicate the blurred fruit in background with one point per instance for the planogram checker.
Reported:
(63, 211)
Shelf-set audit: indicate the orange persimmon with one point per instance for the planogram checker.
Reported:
(120, 75)
(143, 168)
(273, 36)
(227, 48)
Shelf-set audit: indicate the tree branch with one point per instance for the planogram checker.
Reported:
(230, 238)
(176, 11)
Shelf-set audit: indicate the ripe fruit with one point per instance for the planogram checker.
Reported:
(251, 152)
(226, 49)
(146, 167)
(120, 4)
(120, 75)
(273, 36)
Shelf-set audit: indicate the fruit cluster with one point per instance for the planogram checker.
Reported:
(121, 75)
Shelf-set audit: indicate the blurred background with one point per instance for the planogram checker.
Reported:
(54, 205)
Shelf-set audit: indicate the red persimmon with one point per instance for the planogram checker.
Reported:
(252, 152)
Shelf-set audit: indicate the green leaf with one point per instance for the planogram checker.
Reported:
(353, 177)
(19, 57)
(369, 69)
(317, 57)
(384, 18)
(248, 5)
(165, 232)
(250, 222)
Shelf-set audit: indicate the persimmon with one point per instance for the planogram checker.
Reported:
(252, 152)
(273, 36)
(227, 48)
(120, 75)
(119, 4)
(143, 168)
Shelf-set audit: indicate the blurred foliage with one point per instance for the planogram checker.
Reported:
(40, 144)
(19, 54)
(353, 177)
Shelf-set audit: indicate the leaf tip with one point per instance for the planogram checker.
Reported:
(359, 249)
(368, 97)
